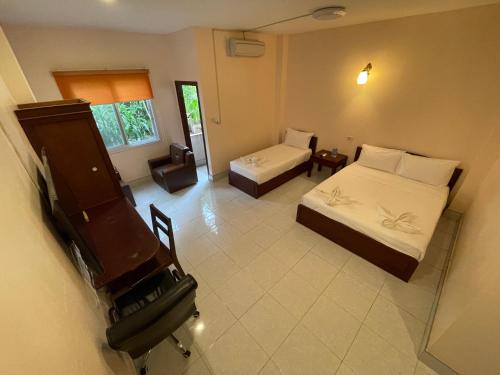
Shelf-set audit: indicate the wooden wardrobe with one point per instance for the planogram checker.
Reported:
(89, 194)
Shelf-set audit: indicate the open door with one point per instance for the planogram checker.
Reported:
(192, 121)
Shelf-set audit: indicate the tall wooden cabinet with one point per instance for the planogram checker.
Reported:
(89, 193)
(80, 165)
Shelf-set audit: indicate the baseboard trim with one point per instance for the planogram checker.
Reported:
(218, 176)
(140, 180)
(425, 356)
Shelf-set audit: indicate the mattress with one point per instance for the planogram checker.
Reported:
(269, 162)
(368, 194)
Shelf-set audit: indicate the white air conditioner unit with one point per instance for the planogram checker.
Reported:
(246, 48)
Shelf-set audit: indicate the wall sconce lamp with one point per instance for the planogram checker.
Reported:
(363, 75)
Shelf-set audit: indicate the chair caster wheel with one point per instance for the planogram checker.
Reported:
(196, 314)
(186, 354)
(144, 370)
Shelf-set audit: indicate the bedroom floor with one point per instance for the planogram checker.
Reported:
(277, 298)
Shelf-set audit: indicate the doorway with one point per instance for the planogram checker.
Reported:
(192, 121)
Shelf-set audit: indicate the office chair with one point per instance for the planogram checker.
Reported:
(152, 311)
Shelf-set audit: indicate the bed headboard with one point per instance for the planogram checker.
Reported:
(313, 143)
(453, 179)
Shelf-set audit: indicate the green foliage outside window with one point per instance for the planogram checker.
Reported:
(107, 123)
(192, 106)
(137, 121)
(125, 123)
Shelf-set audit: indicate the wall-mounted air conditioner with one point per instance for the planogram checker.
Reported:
(245, 48)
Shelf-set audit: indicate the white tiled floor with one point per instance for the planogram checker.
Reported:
(276, 298)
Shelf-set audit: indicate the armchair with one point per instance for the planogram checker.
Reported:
(175, 171)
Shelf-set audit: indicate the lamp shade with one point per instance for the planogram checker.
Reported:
(363, 75)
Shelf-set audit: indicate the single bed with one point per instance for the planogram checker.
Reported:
(370, 196)
(258, 173)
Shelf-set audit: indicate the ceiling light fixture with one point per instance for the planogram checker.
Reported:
(321, 14)
(328, 13)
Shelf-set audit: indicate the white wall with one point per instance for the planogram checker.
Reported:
(17, 91)
(247, 92)
(433, 88)
(466, 330)
(41, 50)
(50, 320)
(248, 87)
(199, 151)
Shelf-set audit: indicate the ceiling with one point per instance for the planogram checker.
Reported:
(164, 16)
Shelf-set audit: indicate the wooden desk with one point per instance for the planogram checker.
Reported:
(116, 243)
(126, 248)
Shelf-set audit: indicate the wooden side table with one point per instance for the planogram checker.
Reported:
(335, 163)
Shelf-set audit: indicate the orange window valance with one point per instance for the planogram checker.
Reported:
(104, 86)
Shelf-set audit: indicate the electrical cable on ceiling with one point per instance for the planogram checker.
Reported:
(325, 13)
(278, 22)
(321, 14)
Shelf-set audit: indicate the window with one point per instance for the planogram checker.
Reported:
(126, 123)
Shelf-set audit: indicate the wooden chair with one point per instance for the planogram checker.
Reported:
(163, 223)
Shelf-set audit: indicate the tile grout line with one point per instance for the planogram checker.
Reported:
(361, 325)
(299, 321)
(282, 209)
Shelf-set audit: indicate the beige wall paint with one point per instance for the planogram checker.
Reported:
(247, 92)
(51, 321)
(433, 88)
(466, 330)
(248, 87)
(41, 50)
(17, 91)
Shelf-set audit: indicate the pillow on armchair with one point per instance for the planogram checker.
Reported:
(177, 152)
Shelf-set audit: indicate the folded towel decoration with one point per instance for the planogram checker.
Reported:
(336, 197)
(403, 223)
(253, 160)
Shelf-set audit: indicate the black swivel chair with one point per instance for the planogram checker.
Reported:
(152, 311)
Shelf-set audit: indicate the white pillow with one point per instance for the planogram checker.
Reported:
(431, 171)
(385, 159)
(297, 138)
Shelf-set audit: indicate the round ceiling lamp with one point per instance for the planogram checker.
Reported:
(321, 14)
(329, 13)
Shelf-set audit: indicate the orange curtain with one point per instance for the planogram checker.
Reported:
(104, 86)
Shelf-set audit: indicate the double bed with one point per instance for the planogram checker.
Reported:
(383, 217)
(258, 173)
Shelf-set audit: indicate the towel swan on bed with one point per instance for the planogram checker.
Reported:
(403, 223)
(254, 161)
(336, 197)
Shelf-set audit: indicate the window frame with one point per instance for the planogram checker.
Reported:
(127, 145)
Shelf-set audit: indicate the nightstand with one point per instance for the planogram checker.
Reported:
(335, 163)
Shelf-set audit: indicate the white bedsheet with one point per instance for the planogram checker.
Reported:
(273, 161)
(372, 189)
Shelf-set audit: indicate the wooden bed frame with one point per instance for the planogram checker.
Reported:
(256, 190)
(385, 257)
